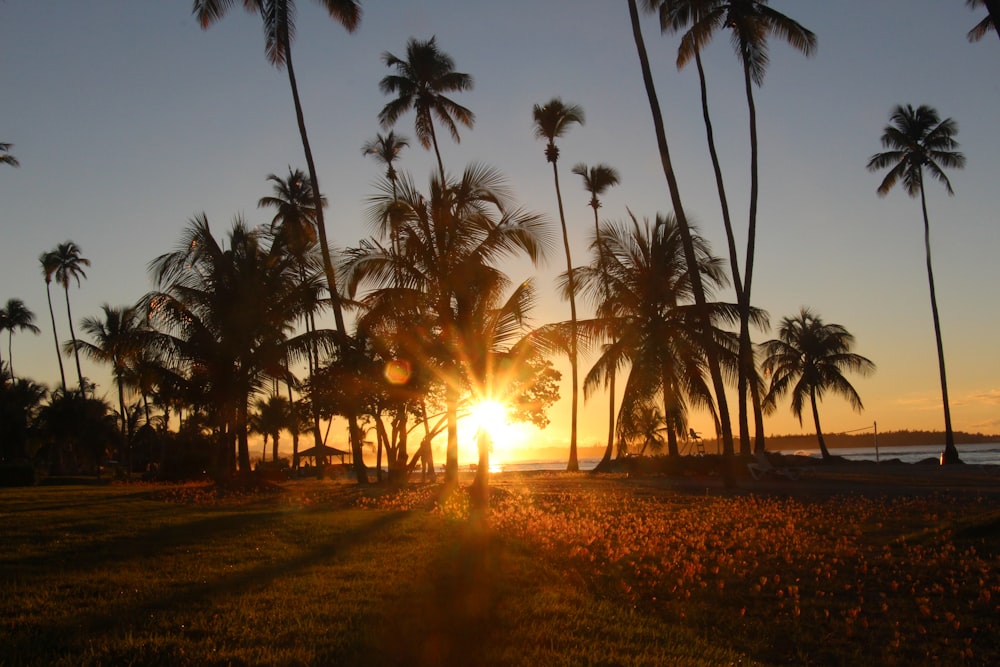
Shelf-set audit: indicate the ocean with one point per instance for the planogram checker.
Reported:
(986, 453)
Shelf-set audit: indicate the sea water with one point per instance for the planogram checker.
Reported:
(985, 453)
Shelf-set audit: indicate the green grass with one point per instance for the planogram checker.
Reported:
(569, 572)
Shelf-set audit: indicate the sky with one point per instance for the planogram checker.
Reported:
(128, 120)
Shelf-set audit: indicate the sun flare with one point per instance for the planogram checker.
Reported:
(491, 416)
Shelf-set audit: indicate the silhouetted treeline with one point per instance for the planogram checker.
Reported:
(867, 439)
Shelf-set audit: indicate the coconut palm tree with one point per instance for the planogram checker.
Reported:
(226, 314)
(6, 157)
(596, 181)
(918, 140)
(279, 30)
(115, 340)
(15, 316)
(808, 359)
(451, 242)
(274, 414)
(422, 82)
(386, 150)
(751, 22)
(553, 120)
(697, 288)
(645, 308)
(67, 264)
(49, 264)
(992, 20)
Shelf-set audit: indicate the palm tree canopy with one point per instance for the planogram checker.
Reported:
(751, 22)
(553, 120)
(6, 157)
(16, 315)
(986, 25)
(596, 180)
(114, 337)
(385, 148)
(917, 139)
(64, 263)
(279, 19)
(294, 222)
(810, 356)
(421, 82)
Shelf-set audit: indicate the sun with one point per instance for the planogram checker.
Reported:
(491, 416)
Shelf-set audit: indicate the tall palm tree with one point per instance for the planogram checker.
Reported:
(697, 288)
(451, 242)
(279, 30)
(421, 83)
(751, 23)
(16, 316)
(274, 414)
(6, 157)
(644, 294)
(114, 341)
(596, 181)
(553, 120)
(810, 358)
(49, 264)
(992, 20)
(918, 140)
(68, 263)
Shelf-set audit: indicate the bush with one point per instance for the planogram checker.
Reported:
(17, 474)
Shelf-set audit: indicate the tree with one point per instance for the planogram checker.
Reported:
(918, 140)
(808, 359)
(49, 263)
(66, 264)
(751, 22)
(451, 244)
(698, 289)
(553, 120)
(279, 29)
(990, 22)
(6, 157)
(274, 414)
(386, 150)
(596, 181)
(16, 316)
(115, 340)
(645, 309)
(421, 83)
(226, 314)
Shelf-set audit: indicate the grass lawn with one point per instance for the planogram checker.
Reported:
(569, 570)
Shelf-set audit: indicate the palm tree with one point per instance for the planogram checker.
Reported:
(990, 22)
(279, 30)
(644, 307)
(16, 316)
(386, 149)
(697, 288)
(114, 341)
(451, 244)
(809, 358)
(751, 23)
(596, 180)
(918, 140)
(553, 120)
(226, 315)
(6, 157)
(49, 264)
(421, 82)
(68, 264)
(274, 414)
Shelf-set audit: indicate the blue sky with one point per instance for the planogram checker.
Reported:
(128, 119)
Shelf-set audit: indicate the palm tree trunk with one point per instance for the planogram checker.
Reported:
(819, 431)
(451, 453)
(950, 454)
(10, 355)
(324, 245)
(242, 442)
(72, 334)
(696, 284)
(746, 358)
(574, 464)
(437, 153)
(55, 336)
(734, 264)
(993, 7)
